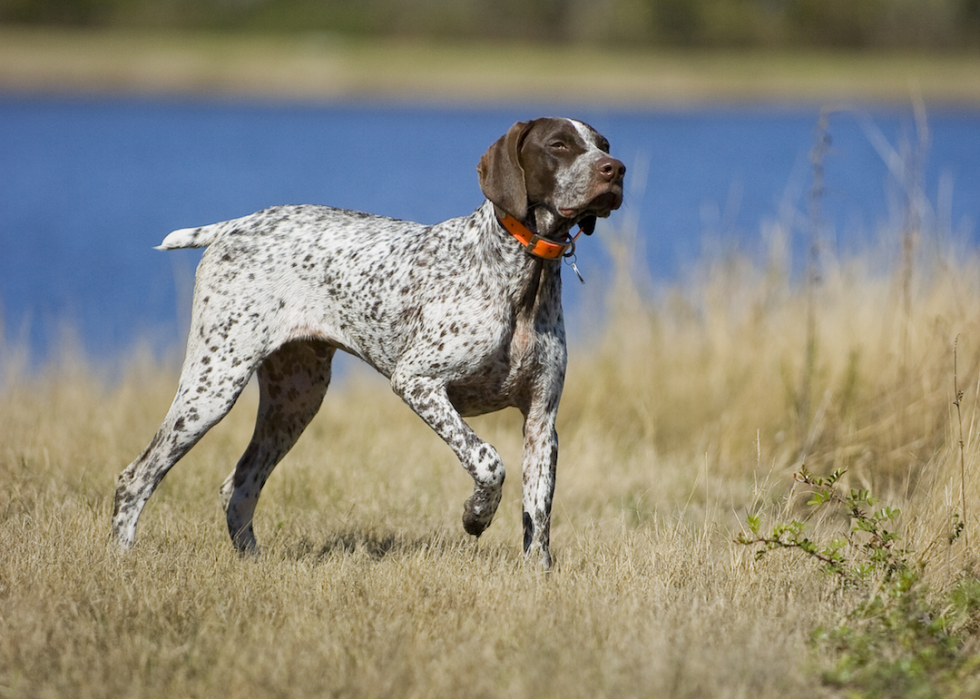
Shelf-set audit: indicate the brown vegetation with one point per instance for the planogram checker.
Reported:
(322, 67)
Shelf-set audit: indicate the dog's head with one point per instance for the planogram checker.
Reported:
(553, 173)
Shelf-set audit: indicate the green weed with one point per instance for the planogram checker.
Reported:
(895, 638)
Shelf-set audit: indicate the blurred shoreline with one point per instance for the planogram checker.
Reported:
(318, 67)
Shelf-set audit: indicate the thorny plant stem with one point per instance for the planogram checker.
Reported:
(817, 155)
(911, 183)
(958, 394)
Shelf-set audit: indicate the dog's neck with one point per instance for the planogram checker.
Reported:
(536, 244)
(548, 224)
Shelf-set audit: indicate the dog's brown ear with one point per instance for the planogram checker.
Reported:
(501, 173)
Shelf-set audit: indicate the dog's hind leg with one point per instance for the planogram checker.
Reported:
(292, 383)
(201, 402)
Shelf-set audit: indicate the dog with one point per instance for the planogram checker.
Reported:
(463, 317)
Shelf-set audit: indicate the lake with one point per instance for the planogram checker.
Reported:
(90, 185)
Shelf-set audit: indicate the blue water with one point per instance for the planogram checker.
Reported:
(89, 186)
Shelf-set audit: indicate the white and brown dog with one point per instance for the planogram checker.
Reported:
(464, 317)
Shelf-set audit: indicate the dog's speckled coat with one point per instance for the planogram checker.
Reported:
(458, 316)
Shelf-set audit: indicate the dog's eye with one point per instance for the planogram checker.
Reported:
(559, 145)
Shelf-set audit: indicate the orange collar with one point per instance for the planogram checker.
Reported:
(532, 242)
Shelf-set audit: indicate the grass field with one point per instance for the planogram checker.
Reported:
(318, 66)
(688, 412)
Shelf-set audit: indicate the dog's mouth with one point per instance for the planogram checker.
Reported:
(601, 205)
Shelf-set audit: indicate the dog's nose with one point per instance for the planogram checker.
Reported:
(611, 169)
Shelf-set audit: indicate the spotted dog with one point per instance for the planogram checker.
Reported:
(464, 318)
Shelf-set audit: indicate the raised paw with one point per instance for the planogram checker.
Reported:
(479, 510)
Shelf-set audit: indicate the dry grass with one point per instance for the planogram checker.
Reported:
(368, 587)
(683, 417)
(674, 427)
(318, 66)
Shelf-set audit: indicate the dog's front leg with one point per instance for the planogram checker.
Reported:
(427, 397)
(540, 466)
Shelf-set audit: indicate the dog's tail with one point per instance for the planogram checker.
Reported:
(190, 238)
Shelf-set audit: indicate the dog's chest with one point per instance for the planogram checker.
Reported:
(528, 349)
